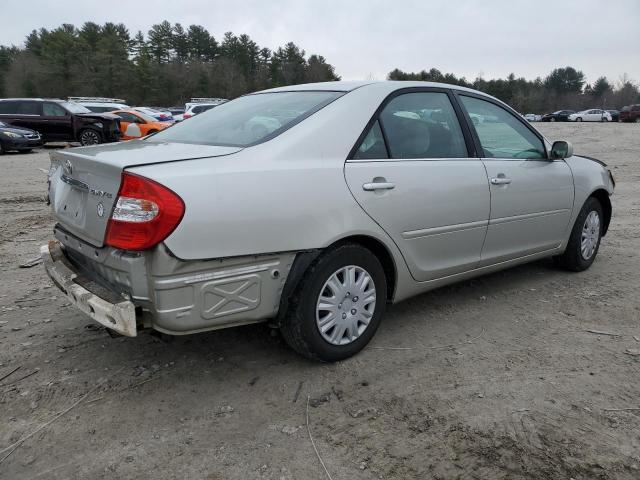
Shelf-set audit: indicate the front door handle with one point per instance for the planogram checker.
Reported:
(500, 181)
(369, 187)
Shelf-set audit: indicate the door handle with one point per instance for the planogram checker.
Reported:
(500, 181)
(369, 187)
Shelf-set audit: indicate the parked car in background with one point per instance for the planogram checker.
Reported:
(135, 124)
(615, 115)
(593, 115)
(100, 104)
(161, 116)
(559, 116)
(19, 139)
(532, 117)
(59, 120)
(183, 239)
(197, 108)
(177, 113)
(630, 113)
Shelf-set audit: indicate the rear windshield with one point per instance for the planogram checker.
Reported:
(247, 120)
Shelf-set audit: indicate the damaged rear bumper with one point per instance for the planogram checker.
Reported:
(106, 308)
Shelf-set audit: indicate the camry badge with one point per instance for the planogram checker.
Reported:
(100, 209)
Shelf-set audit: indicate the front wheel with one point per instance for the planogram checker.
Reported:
(552, 119)
(584, 241)
(579, 119)
(337, 307)
(89, 136)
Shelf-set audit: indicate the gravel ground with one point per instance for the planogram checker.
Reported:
(495, 378)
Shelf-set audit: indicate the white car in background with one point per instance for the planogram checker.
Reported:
(159, 115)
(100, 104)
(532, 117)
(593, 115)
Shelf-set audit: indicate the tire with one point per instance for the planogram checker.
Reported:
(574, 258)
(2, 150)
(638, 120)
(89, 136)
(579, 119)
(26, 150)
(552, 119)
(300, 326)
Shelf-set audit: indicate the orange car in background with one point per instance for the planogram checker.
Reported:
(134, 124)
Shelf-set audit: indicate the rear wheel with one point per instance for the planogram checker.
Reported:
(338, 305)
(552, 119)
(89, 136)
(579, 119)
(584, 241)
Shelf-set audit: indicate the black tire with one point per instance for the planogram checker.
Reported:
(572, 259)
(89, 136)
(552, 119)
(26, 150)
(299, 328)
(2, 150)
(579, 119)
(638, 120)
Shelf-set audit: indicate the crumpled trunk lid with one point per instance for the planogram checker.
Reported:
(84, 182)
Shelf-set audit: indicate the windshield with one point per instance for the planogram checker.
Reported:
(74, 107)
(248, 120)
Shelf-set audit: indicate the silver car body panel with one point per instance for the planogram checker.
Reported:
(442, 223)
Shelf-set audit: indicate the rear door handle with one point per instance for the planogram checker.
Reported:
(500, 181)
(369, 187)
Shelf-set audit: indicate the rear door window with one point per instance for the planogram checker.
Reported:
(501, 134)
(53, 110)
(422, 125)
(29, 108)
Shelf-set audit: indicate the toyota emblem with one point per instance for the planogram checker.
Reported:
(100, 209)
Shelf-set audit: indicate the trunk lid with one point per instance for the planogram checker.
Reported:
(84, 182)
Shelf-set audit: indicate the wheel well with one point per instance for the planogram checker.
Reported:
(603, 197)
(381, 252)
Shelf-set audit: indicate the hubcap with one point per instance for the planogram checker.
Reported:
(590, 235)
(345, 305)
(90, 138)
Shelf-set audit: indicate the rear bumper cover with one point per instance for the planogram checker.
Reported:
(119, 316)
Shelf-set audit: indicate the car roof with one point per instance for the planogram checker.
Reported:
(347, 86)
(32, 99)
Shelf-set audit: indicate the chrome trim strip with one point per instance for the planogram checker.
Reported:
(526, 216)
(426, 232)
(73, 182)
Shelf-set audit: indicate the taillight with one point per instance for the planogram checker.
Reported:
(145, 214)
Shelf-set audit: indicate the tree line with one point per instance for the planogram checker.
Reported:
(562, 88)
(167, 66)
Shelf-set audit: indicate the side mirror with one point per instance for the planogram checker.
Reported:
(561, 150)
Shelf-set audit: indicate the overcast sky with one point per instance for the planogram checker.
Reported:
(365, 39)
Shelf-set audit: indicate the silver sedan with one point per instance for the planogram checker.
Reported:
(314, 207)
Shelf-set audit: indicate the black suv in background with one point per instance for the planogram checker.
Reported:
(59, 120)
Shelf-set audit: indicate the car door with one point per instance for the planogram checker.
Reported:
(413, 173)
(531, 196)
(56, 121)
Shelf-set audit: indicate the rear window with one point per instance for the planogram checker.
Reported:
(248, 120)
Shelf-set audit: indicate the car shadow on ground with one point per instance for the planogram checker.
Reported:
(258, 344)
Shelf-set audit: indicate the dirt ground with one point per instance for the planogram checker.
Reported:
(495, 378)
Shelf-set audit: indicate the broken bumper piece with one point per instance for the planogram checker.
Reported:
(115, 313)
